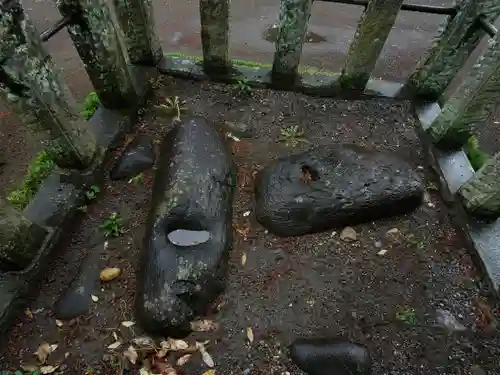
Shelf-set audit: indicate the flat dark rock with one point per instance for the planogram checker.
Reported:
(333, 186)
(137, 157)
(192, 195)
(328, 356)
(77, 299)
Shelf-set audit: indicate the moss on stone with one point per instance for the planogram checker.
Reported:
(39, 168)
(477, 157)
(90, 105)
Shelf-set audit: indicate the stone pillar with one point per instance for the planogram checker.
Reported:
(373, 29)
(294, 17)
(137, 22)
(30, 83)
(101, 46)
(214, 16)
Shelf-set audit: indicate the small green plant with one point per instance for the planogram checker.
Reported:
(292, 135)
(476, 156)
(92, 192)
(431, 186)
(113, 226)
(90, 105)
(39, 168)
(137, 180)
(173, 106)
(407, 315)
(417, 242)
(243, 87)
(19, 372)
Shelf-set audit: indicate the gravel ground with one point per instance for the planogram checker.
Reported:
(314, 285)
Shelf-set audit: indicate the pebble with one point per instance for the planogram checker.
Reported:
(348, 234)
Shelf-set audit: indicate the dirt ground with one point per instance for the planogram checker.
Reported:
(314, 285)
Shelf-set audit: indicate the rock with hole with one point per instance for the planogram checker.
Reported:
(137, 157)
(326, 356)
(189, 233)
(333, 186)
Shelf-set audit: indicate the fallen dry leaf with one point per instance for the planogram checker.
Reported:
(109, 274)
(209, 372)
(207, 358)
(183, 360)
(250, 334)
(59, 323)
(144, 371)
(94, 298)
(161, 353)
(131, 354)
(204, 325)
(172, 344)
(115, 345)
(144, 342)
(43, 352)
(115, 336)
(28, 313)
(53, 347)
(128, 323)
(243, 259)
(48, 369)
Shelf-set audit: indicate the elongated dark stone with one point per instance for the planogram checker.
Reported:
(193, 190)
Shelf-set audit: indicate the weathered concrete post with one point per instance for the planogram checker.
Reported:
(481, 194)
(136, 20)
(451, 49)
(470, 103)
(373, 30)
(101, 46)
(20, 239)
(214, 16)
(30, 83)
(294, 17)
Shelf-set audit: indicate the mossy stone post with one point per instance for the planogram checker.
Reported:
(136, 20)
(451, 49)
(101, 46)
(293, 20)
(481, 194)
(470, 104)
(214, 16)
(20, 239)
(373, 30)
(30, 83)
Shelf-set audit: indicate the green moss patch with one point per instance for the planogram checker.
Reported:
(90, 105)
(39, 168)
(476, 156)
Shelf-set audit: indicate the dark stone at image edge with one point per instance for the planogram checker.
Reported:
(137, 157)
(192, 191)
(330, 356)
(333, 186)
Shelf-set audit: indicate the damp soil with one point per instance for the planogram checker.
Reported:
(309, 286)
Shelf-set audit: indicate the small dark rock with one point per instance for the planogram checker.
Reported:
(77, 299)
(328, 356)
(137, 157)
(333, 186)
(240, 129)
(193, 191)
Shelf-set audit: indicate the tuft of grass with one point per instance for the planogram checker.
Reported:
(90, 105)
(244, 88)
(40, 167)
(407, 315)
(476, 156)
(113, 225)
(292, 135)
(173, 106)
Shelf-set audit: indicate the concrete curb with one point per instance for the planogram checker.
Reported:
(454, 169)
(55, 206)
